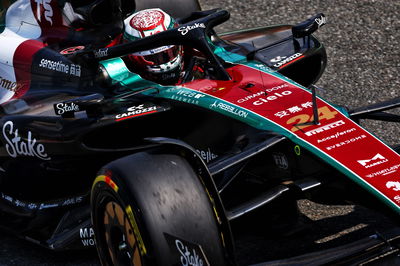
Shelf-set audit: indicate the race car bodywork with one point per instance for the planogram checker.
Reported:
(254, 135)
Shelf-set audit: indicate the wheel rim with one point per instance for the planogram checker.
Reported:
(119, 235)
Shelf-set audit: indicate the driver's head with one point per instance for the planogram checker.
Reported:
(162, 64)
(92, 12)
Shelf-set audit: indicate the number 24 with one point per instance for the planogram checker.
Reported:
(323, 113)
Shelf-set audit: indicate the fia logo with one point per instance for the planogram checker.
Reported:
(48, 14)
(281, 161)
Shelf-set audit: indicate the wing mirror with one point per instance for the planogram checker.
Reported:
(307, 27)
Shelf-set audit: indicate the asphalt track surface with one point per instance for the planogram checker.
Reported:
(362, 42)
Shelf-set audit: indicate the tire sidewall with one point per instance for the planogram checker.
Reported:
(103, 193)
(167, 204)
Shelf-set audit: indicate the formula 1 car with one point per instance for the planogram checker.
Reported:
(92, 153)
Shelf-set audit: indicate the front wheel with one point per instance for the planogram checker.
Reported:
(152, 209)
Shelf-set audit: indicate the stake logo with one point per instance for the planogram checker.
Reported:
(48, 13)
(62, 108)
(320, 21)
(17, 146)
(376, 160)
(185, 30)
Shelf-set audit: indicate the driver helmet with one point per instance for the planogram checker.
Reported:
(162, 64)
(92, 12)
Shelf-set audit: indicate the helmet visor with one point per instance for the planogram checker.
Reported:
(162, 57)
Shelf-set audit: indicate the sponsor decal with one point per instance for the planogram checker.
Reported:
(190, 94)
(18, 203)
(277, 59)
(320, 21)
(153, 51)
(228, 108)
(17, 146)
(346, 142)
(385, 171)
(374, 161)
(325, 128)
(48, 10)
(263, 67)
(136, 111)
(62, 108)
(86, 235)
(394, 185)
(262, 93)
(337, 135)
(187, 96)
(72, 201)
(281, 161)
(290, 59)
(32, 206)
(185, 30)
(101, 53)
(48, 206)
(72, 50)
(293, 109)
(397, 198)
(9, 85)
(41, 206)
(11, 200)
(185, 253)
(272, 97)
(207, 155)
(189, 256)
(72, 69)
(7, 198)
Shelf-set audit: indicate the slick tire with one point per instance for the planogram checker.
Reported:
(152, 209)
(176, 8)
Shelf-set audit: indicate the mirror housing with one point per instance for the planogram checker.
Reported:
(307, 27)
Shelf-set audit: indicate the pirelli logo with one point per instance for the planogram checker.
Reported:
(325, 128)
